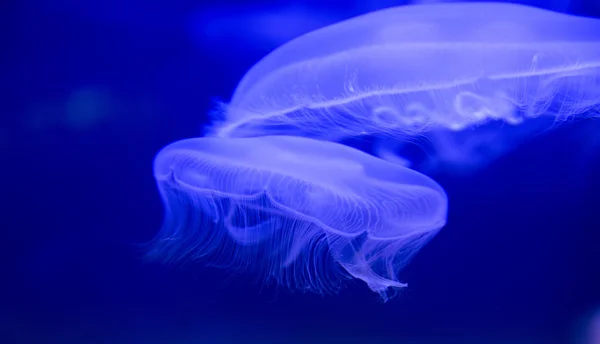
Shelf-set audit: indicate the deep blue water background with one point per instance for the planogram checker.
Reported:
(92, 90)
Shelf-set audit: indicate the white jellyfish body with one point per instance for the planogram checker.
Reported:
(294, 206)
(411, 69)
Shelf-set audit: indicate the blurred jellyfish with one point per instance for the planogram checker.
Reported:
(294, 209)
(422, 70)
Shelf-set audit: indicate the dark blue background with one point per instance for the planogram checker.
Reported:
(92, 90)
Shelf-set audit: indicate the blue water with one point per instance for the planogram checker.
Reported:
(92, 92)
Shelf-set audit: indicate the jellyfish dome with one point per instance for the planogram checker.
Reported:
(299, 211)
(420, 68)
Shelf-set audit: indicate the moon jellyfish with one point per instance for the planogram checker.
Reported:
(294, 209)
(271, 188)
(423, 70)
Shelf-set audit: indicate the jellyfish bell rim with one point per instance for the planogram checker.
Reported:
(254, 123)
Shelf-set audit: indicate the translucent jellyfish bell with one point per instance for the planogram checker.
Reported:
(295, 210)
(416, 68)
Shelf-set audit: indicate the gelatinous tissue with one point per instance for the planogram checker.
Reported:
(271, 190)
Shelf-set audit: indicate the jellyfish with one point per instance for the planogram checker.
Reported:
(299, 211)
(425, 71)
(275, 187)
